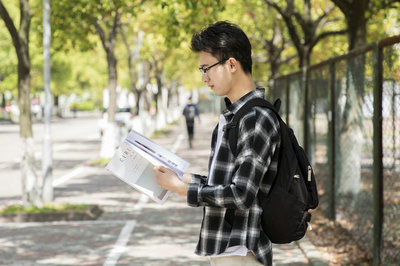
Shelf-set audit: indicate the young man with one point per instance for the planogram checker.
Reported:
(190, 111)
(230, 230)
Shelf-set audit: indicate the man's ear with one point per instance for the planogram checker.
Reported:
(233, 64)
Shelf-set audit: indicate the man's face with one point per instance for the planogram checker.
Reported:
(218, 77)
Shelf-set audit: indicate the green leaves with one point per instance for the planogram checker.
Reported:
(79, 62)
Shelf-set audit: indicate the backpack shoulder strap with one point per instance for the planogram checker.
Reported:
(232, 129)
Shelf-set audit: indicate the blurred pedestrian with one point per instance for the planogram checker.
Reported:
(190, 111)
(231, 232)
(75, 110)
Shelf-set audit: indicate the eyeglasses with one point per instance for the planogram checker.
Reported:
(204, 70)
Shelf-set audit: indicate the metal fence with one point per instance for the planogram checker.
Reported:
(346, 113)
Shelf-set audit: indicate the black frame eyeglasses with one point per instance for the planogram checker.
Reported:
(204, 70)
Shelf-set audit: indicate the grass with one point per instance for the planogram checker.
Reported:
(162, 132)
(158, 133)
(100, 162)
(47, 208)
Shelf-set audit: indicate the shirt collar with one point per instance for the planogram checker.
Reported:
(231, 109)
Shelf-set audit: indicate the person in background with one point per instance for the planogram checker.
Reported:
(190, 111)
(75, 110)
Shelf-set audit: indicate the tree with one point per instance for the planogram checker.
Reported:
(357, 14)
(171, 30)
(75, 66)
(274, 47)
(305, 30)
(103, 18)
(271, 44)
(138, 69)
(156, 43)
(20, 39)
(8, 68)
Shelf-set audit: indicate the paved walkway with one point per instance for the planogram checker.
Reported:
(133, 230)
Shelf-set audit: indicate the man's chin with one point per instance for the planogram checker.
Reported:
(217, 93)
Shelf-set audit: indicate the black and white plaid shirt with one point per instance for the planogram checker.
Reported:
(232, 214)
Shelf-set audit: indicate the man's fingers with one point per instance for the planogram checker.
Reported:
(160, 168)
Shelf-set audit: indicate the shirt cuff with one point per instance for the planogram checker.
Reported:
(198, 179)
(193, 195)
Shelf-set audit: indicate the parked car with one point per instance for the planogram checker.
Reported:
(123, 118)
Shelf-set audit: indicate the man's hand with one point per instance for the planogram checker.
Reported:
(187, 178)
(167, 179)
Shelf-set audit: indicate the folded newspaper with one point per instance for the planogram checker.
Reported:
(134, 160)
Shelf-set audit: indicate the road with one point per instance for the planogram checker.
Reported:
(69, 136)
(133, 230)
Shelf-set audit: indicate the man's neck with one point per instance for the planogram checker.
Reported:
(242, 85)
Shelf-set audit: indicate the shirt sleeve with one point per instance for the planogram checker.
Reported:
(257, 142)
(193, 189)
(199, 179)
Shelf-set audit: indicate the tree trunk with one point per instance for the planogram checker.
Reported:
(56, 106)
(30, 184)
(133, 57)
(3, 100)
(109, 141)
(356, 23)
(112, 84)
(170, 96)
(3, 106)
(351, 137)
(157, 95)
(144, 79)
(138, 95)
(30, 188)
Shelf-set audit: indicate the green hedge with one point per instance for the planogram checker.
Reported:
(48, 208)
(83, 106)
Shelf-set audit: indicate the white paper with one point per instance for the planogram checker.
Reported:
(134, 160)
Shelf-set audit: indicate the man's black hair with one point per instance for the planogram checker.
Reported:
(223, 40)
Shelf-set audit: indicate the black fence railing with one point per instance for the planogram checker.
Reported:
(350, 126)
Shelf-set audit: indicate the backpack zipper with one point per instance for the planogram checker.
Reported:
(309, 173)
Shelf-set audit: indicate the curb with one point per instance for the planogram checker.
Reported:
(310, 252)
(6, 122)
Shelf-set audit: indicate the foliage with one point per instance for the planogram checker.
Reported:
(8, 59)
(100, 162)
(83, 106)
(47, 208)
(159, 133)
(78, 61)
(168, 27)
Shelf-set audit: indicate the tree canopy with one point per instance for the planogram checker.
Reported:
(79, 62)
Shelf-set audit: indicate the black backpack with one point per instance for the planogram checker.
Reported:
(293, 191)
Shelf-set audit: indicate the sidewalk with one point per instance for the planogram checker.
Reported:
(133, 230)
